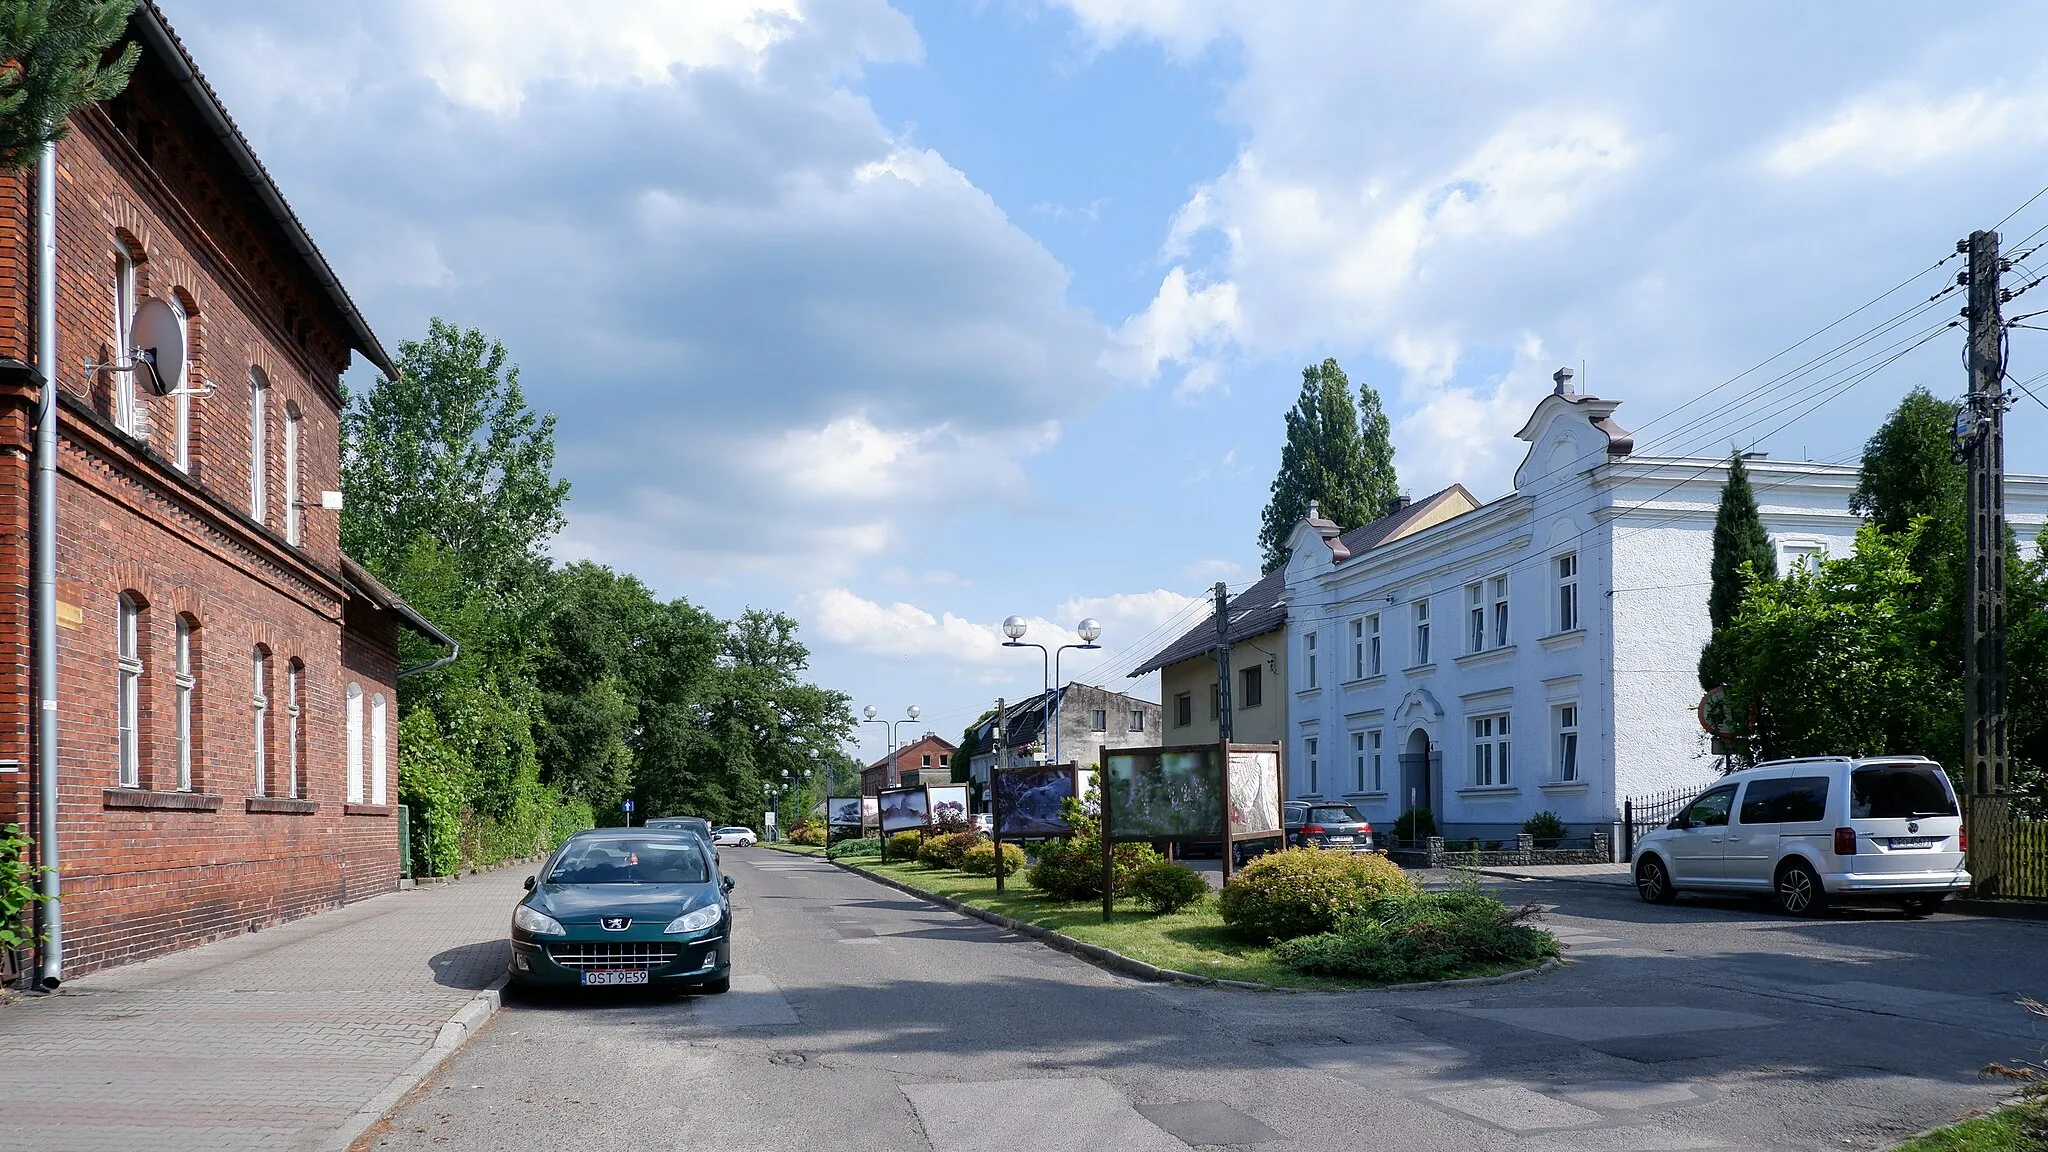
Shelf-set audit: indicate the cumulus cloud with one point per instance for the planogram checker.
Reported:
(1899, 133)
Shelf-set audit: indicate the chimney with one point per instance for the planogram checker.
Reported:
(1397, 503)
(1563, 376)
(1314, 512)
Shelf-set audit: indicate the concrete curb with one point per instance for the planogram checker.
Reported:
(1119, 963)
(465, 1023)
(1622, 882)
(2002, 909)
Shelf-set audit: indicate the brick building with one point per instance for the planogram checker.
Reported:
(227, 679)
(925, 760)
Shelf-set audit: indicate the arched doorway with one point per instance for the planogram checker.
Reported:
(1415, 774)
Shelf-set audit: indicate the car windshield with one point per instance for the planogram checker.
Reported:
(734, 831)
(1899, 792)
(630, 861)
(1337, 814)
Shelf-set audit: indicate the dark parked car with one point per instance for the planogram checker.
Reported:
(622, 906)
(1338, 827)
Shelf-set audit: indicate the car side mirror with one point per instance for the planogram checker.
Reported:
(1680, 823)
(529, 883)
(725, 882)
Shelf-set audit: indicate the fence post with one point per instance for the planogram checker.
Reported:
(1600, 847)
(1628, 830)
(1525, 848)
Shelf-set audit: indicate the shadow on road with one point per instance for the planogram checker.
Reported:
(472, 966)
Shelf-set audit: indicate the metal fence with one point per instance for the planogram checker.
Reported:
(1641, 814)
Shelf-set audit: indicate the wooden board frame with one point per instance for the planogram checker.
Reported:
(1073, 770)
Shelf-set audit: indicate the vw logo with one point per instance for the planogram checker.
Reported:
(615, 923)
(1912, 825)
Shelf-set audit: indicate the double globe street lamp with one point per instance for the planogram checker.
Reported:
(910, 716)
(1089, 630)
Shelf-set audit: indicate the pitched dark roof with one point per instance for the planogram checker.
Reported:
(1395, 523)
(1024, 721)
(944, 745)
(158, 39)
(1256, 610)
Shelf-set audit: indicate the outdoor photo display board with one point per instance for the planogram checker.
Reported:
(1026, 801)
(1254, 791)
(948, 802)
(871, 812)
(904, 809)
(843, 811)
(1163, 793)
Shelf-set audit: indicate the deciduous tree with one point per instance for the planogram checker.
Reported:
(1339, 456)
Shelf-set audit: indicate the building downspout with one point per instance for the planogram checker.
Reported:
(43, 509)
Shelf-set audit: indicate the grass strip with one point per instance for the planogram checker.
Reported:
(2018, 1128)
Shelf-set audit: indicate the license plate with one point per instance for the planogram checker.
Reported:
(1915, 841)
(627, 976)
(1340, 839)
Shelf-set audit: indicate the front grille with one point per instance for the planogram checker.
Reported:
(612, 956)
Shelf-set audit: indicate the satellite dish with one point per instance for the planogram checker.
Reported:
(160, 334)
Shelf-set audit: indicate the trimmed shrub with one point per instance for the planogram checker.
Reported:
(946, 851)
(1422, 936)
(905, 845)
(1166, 887)
(1072, 869)
(859, 846)
(1547, 828)
(1415, 824)
(981, 859)
(808, 832)
(1303, 891)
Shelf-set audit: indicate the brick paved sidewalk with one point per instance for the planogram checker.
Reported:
(270, 1040)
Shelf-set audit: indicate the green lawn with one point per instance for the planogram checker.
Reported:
(1193, 940)
(2015, 1129)
(786, 846)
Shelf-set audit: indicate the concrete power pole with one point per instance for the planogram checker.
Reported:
(1223, 728)
(1981, 437)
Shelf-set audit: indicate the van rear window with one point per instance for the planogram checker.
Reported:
(1899, 792)
(1799, 800)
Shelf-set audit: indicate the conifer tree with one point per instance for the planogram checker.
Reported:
(53, 62)
(1339, 456)
(1739, 538)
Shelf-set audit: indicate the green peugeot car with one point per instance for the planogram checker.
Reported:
(625, 906)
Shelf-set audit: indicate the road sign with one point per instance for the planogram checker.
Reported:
(629, 807)
(768, 818)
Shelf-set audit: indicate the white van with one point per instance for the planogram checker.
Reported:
(1814, 831)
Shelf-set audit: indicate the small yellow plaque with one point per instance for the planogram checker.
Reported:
(70, 615)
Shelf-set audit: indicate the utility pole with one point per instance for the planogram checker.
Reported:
(1223, 727)
(1981, 437)
(995, 830)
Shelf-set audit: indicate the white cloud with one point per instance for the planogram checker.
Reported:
(899, 630)
(1470, 429)
(1899, 133)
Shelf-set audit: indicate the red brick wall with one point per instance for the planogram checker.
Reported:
(143, 881)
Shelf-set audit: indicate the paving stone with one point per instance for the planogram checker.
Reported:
(1516, 1108)
(1053, 1115)
(1199, 1122)
(1628, 1095)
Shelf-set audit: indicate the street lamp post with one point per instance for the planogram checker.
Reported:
(1089, 630)
(1014, 627)
(868, 717)
(910, 716)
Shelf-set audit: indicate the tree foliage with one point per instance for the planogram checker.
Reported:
(1339, 455)
(1743, 555)
(1909, 466)
(53, 62)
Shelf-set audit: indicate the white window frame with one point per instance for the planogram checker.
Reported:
(1308, 657)
(128, 663)
(186, 684)
(1475, 616)
(1421, 612)
(1137, 720)
(1502, 635)
(1566, 721)
(293, 676)
(1372, 645)
(352, 740)
(259, 711)
(292, 421)
(259, 448)
(126, 411)
(1564, 569)
(380, 750)
(1375, 747)
(1098, 720)
(1490, 744)
(181, 428)
(1310, 748)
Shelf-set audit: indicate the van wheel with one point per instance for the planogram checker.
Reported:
(1799, 890)
(1653, 883)
(1919, 906)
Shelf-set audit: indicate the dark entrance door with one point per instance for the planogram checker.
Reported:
(1415, 774)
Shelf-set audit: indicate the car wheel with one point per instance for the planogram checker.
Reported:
(1653, 883)
(1799, 890)
(715, 987)
(1918, 906)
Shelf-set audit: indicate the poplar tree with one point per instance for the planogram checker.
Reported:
(1739, 539)
(53, 62)
(1339, 455)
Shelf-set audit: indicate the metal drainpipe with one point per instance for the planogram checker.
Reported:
(44, 511)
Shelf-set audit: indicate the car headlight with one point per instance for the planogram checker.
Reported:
(526, 919)
(697, 921)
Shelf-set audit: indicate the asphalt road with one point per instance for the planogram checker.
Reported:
(863, 1019)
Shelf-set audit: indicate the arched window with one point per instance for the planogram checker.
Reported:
(295, 678)
(128, 661)
(181, 451)
(259, 449)
(352, 719)
(123, 377)
(260, 710)
(291, 472)
(187, 685)
(379, 762)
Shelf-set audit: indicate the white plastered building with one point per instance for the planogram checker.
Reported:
(1540, 651)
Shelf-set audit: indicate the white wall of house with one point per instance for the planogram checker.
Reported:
(1639, 533)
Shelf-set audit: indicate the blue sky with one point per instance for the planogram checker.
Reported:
(907, 318)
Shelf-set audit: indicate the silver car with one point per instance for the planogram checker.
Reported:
(1812, 831)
